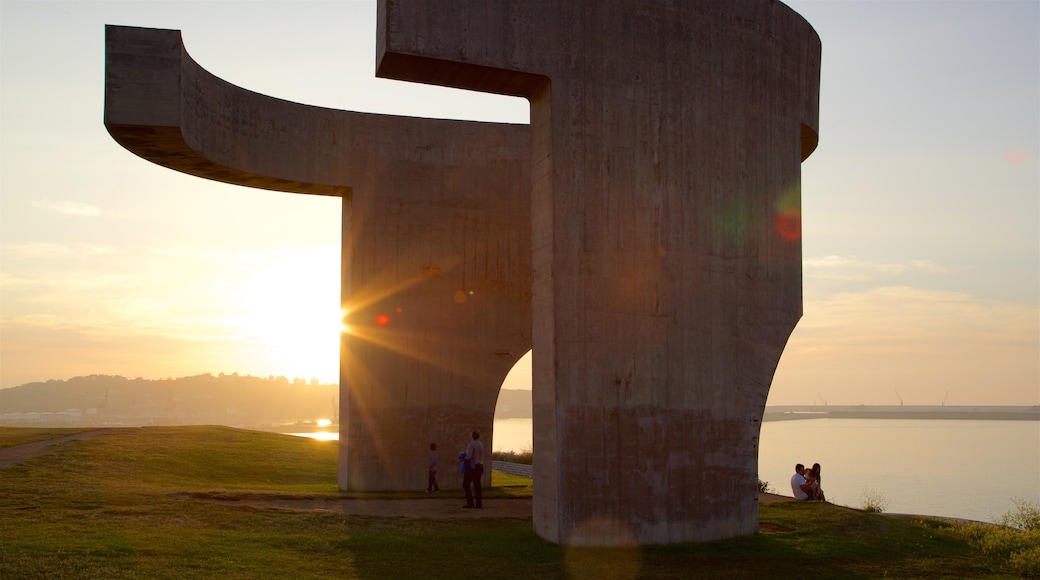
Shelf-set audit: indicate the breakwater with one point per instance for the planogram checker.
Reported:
(960, 412)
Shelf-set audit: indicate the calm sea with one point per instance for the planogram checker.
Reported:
(961, 469)
(951, 468)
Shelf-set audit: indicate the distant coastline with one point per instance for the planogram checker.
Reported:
(517, 410)
(959, 412)
(273, 403)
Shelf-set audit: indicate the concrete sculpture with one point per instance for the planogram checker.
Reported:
(436, 230)
(667, 140)
(662, 276)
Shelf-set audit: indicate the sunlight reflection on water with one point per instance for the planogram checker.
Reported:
(319, 435)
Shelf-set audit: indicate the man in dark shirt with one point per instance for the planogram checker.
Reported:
(474, 465)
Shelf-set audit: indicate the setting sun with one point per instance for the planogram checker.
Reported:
(292, 313)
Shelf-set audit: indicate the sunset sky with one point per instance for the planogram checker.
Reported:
(921, 206)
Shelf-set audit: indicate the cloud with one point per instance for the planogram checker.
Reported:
(894, 318)
(123, 317)
(55, 287)
(178, 311)
(48, 250)
(69, 208)
(858, 347)
(46, 347)
(276, 299)
(851, 268)
(83, 281)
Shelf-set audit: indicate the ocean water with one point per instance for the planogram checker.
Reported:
(951, 468)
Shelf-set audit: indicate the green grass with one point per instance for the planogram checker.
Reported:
(10, 436)
(126, 505)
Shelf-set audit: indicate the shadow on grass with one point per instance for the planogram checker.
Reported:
(170, 503)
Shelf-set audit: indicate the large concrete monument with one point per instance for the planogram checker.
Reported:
(659, 185)
(667, 141)
(436, 241)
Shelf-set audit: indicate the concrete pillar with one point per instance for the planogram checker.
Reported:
(667, 142)
(437, 288)
(436, 239)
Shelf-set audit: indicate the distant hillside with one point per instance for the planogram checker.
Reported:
(199, 400)
(246, 401)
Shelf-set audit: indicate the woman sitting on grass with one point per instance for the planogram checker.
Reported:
(812, 477)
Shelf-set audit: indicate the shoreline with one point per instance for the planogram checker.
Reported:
(928, 412)
(517, 507)
(771, 413)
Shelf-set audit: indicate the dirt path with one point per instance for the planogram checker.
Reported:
(17, 453)
(437, 508)
(433, 508)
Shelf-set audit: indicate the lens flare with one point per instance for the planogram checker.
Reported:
(788, 219)
(382, 320)
(733, 222)
(1015, 157)
(788, 225)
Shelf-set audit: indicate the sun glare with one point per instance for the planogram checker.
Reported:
(290, 312)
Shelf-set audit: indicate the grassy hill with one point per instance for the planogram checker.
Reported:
(139, 503)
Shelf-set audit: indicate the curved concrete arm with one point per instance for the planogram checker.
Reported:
(436, 237)
(162, 106)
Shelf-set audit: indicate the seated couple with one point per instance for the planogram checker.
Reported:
(805, 483)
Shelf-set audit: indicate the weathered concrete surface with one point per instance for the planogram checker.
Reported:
(436, 237)
(667, 142)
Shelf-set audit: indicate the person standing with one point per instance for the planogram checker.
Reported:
(432, 468)
(473, 463)
(799, 486)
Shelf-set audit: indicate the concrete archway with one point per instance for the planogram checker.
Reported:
(436, 240)
(667, 141)
(642, 235)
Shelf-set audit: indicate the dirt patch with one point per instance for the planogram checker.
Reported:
(17, 453)
(432, 508)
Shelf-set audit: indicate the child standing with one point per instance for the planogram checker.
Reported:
(432, 485)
